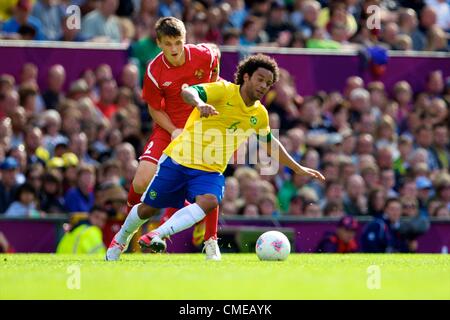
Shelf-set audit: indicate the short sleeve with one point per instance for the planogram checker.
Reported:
(212, 53)
(211, 92)
(151, 93)
(215, 69)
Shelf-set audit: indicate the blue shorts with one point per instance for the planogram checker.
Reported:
(174, 183)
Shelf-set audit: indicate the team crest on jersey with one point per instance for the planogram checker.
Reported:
(253, 120)
(153, 194)
(199, 73)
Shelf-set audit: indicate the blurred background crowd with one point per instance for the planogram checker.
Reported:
(327, 24)
(68, 151)
(384, 151)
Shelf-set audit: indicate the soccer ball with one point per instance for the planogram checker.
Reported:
(273, 245)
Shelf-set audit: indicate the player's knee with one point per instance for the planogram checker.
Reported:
(145, 211)
(207, 202)
(140, 183)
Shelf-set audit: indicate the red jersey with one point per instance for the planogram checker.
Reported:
(163, 82)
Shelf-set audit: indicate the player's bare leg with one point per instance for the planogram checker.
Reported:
(181, 220)
(144, 174)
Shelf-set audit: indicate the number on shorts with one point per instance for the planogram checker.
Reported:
(150, 145)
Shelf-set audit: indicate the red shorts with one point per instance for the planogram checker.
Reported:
(155, 146)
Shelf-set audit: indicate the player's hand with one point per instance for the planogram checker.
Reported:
(207, 110)
(311, 173)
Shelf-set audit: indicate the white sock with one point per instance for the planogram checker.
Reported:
(130, 226)
(181, 220)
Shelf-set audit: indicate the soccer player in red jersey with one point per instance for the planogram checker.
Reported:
(179, 65)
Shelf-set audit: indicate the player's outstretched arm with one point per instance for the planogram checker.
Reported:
(191, 97)
(283, 157)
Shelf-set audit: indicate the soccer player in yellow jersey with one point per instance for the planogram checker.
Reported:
(191, 168)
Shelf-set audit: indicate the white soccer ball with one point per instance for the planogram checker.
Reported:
(273, 245)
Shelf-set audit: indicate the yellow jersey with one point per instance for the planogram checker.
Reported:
(208, 143)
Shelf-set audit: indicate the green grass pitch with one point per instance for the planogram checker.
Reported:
(237, 276)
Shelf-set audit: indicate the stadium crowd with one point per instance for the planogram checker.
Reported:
(326, 24)
(78, 149)
(385, 153)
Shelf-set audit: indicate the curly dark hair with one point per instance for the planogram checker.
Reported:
(250, 64)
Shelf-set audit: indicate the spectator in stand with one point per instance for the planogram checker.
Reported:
(81, 198)
(436, 40)
(334, 191)
(33, 175)
(382, 234)
(170, 8)
(130, 80)
(51, 199)
(441, 146)
(8, 184)
(434, 87)
(424, 139)
(389, 35)
(334, 209)
(79, 146)
(230, 196)
(428, 19)
(22, 16)
(54, 95)
(278, 22)
(145, 49)
(102, 24)
(312, 210)
(268, 205)
(442, 9)
(424, 193)
(237, 14)
(306, 20)
(124, 153)
(252, 32)
(115, 202)
(25, 204)
(376, 202)
(51, 126)
(408, 25)
(355, 202)
(50, 13)
(198, 29)
(442, 186)
(108, 94)
(343, 240)
(441, 212)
